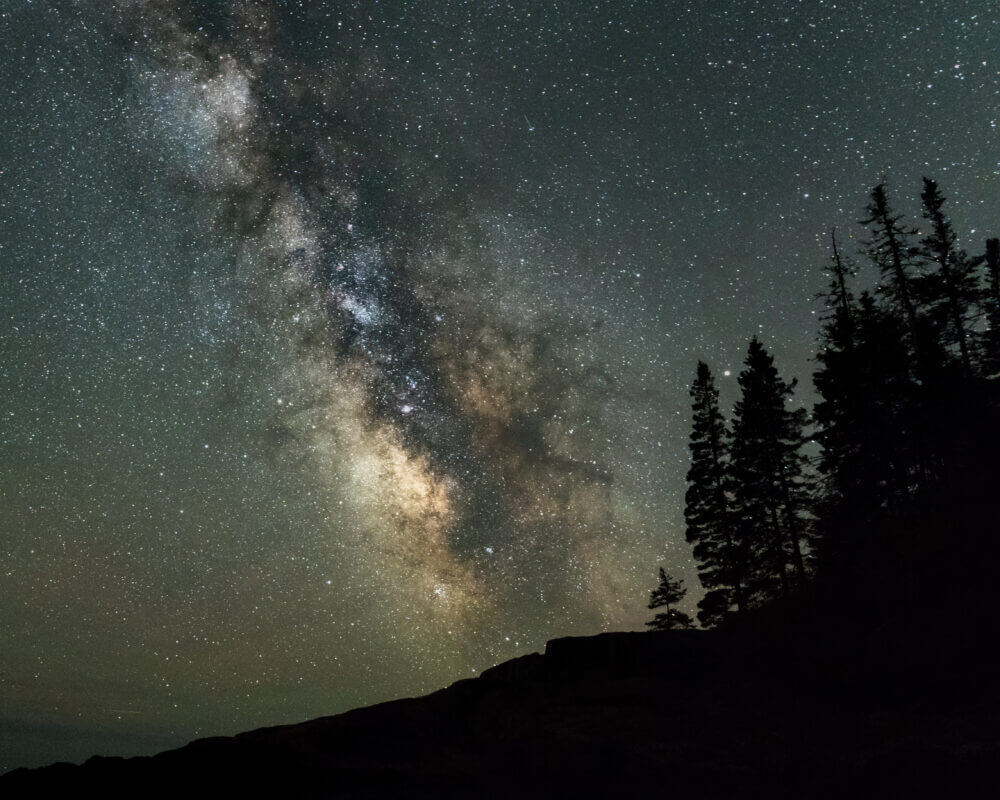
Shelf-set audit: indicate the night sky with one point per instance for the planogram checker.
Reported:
(346, 346)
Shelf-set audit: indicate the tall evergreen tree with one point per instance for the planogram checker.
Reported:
(993, 269)
(889, 247)
(991, 302)
(864, 419)
(836, 412)
(865, 397)
(710, 528)
(667, 594)
(950, 290)
(714, 607)
(767, 473)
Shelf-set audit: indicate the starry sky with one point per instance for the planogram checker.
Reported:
(346, 345)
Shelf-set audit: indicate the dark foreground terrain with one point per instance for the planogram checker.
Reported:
(727, 713)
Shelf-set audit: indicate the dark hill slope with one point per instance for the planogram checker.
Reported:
(737, 713)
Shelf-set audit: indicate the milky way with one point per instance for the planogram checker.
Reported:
(348, 344)
(446, 414)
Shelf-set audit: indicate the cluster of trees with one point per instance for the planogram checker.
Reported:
(906, 420)
(748, 501)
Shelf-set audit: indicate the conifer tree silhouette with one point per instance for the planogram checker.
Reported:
(836, 413)
(991, 303)
(950, 290)
(767, 472)
(710, 524)
(863, 423)
(993, 269)
(890, 248)
(668, 593)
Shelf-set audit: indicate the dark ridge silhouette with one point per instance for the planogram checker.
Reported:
(764, 706)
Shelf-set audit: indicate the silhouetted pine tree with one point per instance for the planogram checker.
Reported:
(991, 302)
(889, 247)
(665, 595)
(767, 475)
(864, 419)
(710, 528)
(949, 291)
(886, 459)
(714, 607)
(993, 269)
(836, 414)
(891, 250)
(865, 399)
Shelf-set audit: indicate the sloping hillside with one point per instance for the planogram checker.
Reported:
(710, 714)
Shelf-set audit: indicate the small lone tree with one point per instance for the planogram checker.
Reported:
(665, 595)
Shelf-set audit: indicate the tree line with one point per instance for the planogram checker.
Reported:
(900, 496)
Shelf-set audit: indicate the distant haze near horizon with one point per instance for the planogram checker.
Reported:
(346, 347)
